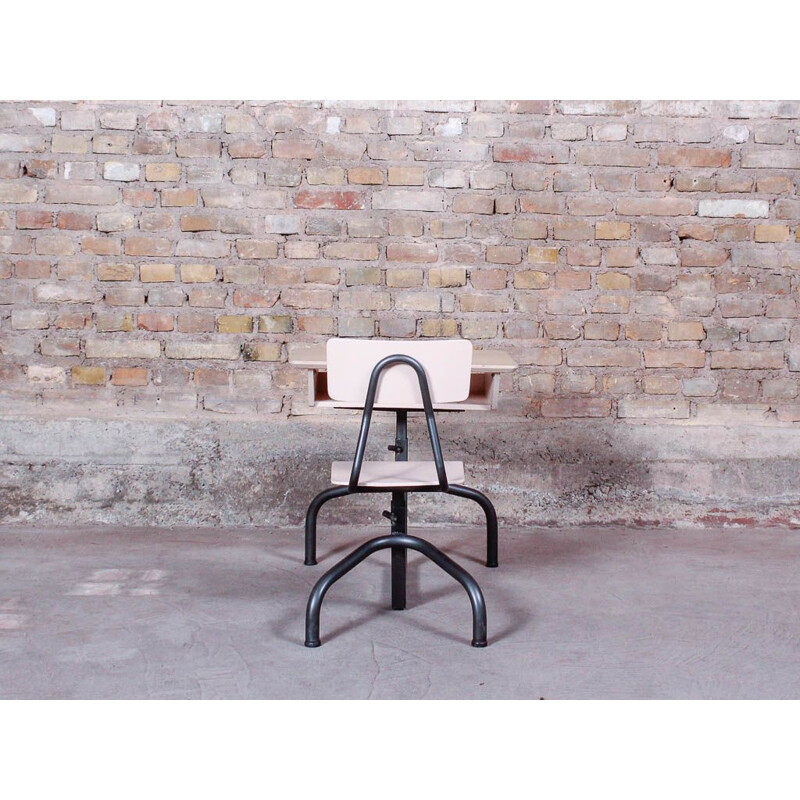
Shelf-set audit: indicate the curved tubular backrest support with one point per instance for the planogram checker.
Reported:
(369, 403)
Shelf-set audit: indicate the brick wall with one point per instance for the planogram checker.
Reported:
(638, 258)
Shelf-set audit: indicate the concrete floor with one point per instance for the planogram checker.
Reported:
(585, 613)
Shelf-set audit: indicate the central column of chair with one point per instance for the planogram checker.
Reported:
(399, 516)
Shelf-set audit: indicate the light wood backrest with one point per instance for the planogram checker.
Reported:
(447, 364)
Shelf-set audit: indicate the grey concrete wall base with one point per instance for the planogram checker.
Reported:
(264, 472)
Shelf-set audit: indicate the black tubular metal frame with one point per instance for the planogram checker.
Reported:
(398, 541)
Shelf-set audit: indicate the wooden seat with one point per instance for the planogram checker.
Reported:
(400, 474)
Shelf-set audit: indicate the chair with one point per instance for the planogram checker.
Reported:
(399, 377)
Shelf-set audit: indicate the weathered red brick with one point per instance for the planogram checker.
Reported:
(654, 207)
(34, 219)
(294, 148)
(153, 321)
(541, 154)
(694, 157)
(323, 198)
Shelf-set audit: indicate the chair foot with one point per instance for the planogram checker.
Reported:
(339, 570)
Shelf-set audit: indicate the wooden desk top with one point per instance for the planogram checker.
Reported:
(312, 356)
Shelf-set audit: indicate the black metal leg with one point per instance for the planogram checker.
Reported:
(381, 543)
(491, 519)
(311, 520)
(479, 632)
